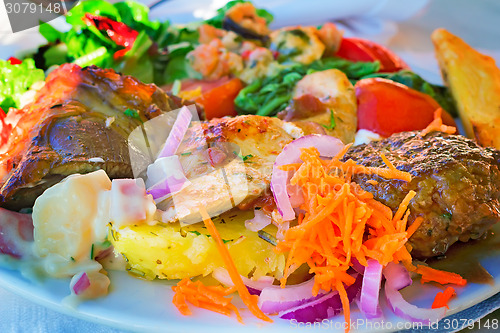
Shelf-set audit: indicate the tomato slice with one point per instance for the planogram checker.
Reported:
(386, 107)
(358, 49)
(219, 101)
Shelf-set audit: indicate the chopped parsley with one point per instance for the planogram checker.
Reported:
(92, 252)
(332, 122)
(244, 158)
(132, 114)
(186, 154)
(199, 234)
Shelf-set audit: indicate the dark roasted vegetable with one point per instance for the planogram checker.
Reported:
(229, 24)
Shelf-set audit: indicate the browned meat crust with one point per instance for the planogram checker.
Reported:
(457, 184)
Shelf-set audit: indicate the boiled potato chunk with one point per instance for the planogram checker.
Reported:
(474, 80)
(167, 251)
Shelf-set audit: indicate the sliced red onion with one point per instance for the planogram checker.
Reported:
(167, 175)
(276, 299)
(254, 287)
(129, 202)
(324, 307)
(356, 265)
(16, 234)
(327, 146)
(259, 222)
(79, 283)
(177, 132)
(370, 290)
(397, 278)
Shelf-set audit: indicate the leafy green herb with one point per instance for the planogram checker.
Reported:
(92, 252)
(332, 122)
(15, 80)
(199, 234)
(132, 114)
(441, 94)
(244, 158)
(72, 259)
(106, 244)
(447, 215)
(186, 154)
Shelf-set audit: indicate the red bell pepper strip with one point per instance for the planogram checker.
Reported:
(14, 61)
(118, 32)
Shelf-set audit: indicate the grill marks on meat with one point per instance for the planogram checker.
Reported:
(77, 124)
(457, 184)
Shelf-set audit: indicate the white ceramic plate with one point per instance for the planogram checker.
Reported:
(146, 306)
(139, 305)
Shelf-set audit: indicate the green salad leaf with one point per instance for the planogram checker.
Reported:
(269, 96)
(15, 80)
(441, 94)
(86, 45)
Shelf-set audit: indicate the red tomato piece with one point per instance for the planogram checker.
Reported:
(358, 49)
(386, 107)
(219, 101)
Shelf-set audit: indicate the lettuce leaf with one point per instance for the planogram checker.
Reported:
(15, 80)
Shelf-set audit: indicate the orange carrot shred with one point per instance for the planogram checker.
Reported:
(249, 300)
(437, 125)
(441, 277)
(207, 297)
(414, 226)
(341, 221)
(442, 298)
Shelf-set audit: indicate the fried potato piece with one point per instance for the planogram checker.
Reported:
(474, 80)
(167, 251)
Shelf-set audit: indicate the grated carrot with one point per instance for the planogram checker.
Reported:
(441, 277)
(207, 297)
(437, 125)
(249, 300)
(442, 298)
(414, 226)
(341, 221)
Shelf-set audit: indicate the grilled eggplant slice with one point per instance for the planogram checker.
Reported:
(79, 122)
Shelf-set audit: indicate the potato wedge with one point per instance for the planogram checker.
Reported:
(474, 80)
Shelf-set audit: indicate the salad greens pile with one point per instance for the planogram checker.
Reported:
(122, 37)
(156, 47)
(269, 96)
(15, 80)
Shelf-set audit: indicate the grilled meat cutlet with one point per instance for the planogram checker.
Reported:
(457, 184)
(79, 122)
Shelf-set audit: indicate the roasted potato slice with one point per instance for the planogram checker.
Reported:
(474, 80)
(169, 251)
